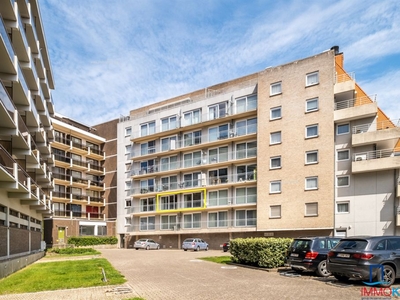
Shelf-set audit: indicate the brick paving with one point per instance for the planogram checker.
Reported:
(176, 274)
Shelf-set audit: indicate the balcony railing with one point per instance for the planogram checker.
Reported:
(204, 180)
(354, 102)
(345, 77)
(368, 155)
(381, 125)
(6, 39)
(5, 99)
(78, 214)
(6, 161)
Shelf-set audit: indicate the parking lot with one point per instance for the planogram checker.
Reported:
(176, 274)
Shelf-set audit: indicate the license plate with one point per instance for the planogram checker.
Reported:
(294, 254)
(344, 255)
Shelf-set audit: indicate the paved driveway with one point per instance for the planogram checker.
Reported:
(176, 274)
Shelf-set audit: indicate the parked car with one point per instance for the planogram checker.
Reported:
(310, 253)
(146, 244)
(374, 259)
(225, 246)
(195, 244)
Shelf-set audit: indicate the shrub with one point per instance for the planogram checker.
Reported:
(75, 251)
(82, 241)
(260, 252)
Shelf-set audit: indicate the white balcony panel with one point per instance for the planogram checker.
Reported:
(372, 165)
(356, 112)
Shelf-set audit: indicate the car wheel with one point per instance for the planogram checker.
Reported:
(225, 250)
(184, 249)
(137, 248)
(389, 276)
(148, 247)
(206, 248)
(322, 271)
(198, 248)
(341, 278)
(158, 247)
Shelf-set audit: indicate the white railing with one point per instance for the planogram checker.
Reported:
(345, 77)
(368, 155)
(381, 125)
(355, 102)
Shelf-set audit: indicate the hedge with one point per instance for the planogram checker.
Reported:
(80, 241)
(259, 252)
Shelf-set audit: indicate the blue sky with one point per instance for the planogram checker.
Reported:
(111, 56)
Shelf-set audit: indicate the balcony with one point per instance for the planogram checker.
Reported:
(7, 111)
(78, 214)
(31, 35)
(20, 41)
(7, 55)
(345, 83)
(373, 133)
(379, 160)
(353, 109)
(96, 169)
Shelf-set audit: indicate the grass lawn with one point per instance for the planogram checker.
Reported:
(60, 275)
(217, 259)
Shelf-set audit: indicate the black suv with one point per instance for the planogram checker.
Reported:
(374, 259)
(310, 253)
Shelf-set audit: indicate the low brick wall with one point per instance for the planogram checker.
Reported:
(9, 266)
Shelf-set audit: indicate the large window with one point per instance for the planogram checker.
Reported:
(246, 127)
(247, 172)
(275, 187)
(168, 222)
(311, 157)
(192, 138)
(245, 218)
(275, 162)
(312, 78)
(192, 221)
(146, 186)
(193, 179)
(168, 143)
(148, 128)
(217, 198)
(312, 105)
(169, 123)
(192, 159)
(168, 202)
(169, 163)
(246, 103)
(218, 133)
(276, 88)
(217, 110)
(192, 117)
(275, 138)
(312, 131)
(311, 183)
(311, 209)
(147, 204)
(218, 219)
(147, 223)
(343, 129)
(246, 195)
(147, 166)
(192, 200)
(245, 150)
(218, 155)
(169, 183)
(218, 176)
(148, 148)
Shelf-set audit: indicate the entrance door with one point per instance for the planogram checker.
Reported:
(61, 235)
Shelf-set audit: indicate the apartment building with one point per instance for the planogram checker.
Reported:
(78, 172)
(26, 107)
(275, 153)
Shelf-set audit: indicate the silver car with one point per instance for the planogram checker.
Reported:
(146, 244)
(195, 244)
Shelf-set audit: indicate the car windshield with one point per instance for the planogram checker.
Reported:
(352, 244)
(142, 240)
(301, 244)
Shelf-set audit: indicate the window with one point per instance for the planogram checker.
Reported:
(275, 113)
(192, 138)
(245, 150)
(169, 163)
(246, 103)
(275, 211)
(193, 179)
(168, 202)
(128, 221)
(311, 209)
(218, 155)
(148, 148)
(128, 202)
(275, 162)
(218, 219)
(218, 176)
(128, 167)
(245, 218)
(342, 207)
(168, 183)
(343, 154)
(217, 111)
(128, 131)
(192, 117)
(128, 185)
(192, 221)
(147, 223)
(217, 198)
(246, 195)
(168, 143)
(148, 128)
(169, 123)
(192, 159)
(275, 187)
(218, 133)
(276, 88)
(275, 138)
(146, 186)
(192, 200)
(312, 131)
(128, 149)
(312, 105)
(312, 78)
(312, 183)
(311, 157)
(343, 181)
(147, 204)
(343, 129)
(168, 222)
(246, 127)
(246, 172)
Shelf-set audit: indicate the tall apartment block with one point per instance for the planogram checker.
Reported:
(26, 108)
(297, 149)
(78, 195)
